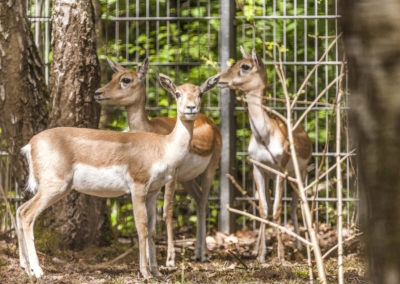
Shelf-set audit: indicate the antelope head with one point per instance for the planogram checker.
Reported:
(245, 75)
(126, 87)
(188, 96)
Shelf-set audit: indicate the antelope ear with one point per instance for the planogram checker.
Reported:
(257, 60)
(115, 66)
(167, 83)
(209, 83)
(245, 54)
(142, 70)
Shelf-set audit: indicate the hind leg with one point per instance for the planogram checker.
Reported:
(194, 191)
(151, 205)
(277, 215)
(295, 219)
(48, 194)
(168, 217)
(23, 255)
(264, 199)
(201, 246)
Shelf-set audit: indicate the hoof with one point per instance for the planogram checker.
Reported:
(201, 259)
(261, 259)
(155, 273)
(23, 264)
(36, 271)
(146, 274)
(170, 263)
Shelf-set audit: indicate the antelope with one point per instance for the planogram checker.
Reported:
(108, 164)
(127, 88)
(268, 144)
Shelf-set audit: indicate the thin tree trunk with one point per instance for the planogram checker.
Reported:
(372, 42)
(23, 92)
(75, 77)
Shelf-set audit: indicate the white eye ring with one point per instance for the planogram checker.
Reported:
(126, 80)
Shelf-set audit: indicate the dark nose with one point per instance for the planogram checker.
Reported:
(98, 93)
(191, 107)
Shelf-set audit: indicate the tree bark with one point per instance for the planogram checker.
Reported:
(75, 77)
(23, 93)
(372, 37)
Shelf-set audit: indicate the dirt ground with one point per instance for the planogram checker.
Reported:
(231, 261)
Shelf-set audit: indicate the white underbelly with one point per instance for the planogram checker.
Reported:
(269, 155)
(103, 182)
(272, 155)
(161, 173)
(192, 166)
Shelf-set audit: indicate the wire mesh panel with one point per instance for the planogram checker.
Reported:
(182, 39)
(303, 30)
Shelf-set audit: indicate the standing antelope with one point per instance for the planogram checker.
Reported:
(269, 142)
(127, 88)
(108, 164)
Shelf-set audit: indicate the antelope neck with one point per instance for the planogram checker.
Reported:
(137, 115)
(180, 137)
(259, 119)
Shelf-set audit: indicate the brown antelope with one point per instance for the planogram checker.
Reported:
(269, 142)
(127, 88)
(108, 164)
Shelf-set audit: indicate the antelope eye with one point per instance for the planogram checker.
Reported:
(177, 95)
(126, 80)
(245, 67)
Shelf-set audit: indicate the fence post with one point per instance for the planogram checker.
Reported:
(228, 130)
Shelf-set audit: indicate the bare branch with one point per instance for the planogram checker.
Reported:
(303, 115)
(332, 249)
(272, 224)
(339, 183)
(314, 68)
(238, 258)
(272, 170)
(329, 170)
(242, 191)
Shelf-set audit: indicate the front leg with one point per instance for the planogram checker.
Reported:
(264, 199)
(168, 214)
(151, 204)
(139, 196)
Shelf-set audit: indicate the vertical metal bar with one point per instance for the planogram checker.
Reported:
(157, 51)
(147, 44)
(227, 97)
(274, 47)
(37, 24)
(178, 54)
(327, 99)
(137, 31)
(117, 30)
(46, 42)
(127, 32)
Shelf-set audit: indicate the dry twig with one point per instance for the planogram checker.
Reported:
(332, 249)
(238, 258)
(242, 191)
(272, 224)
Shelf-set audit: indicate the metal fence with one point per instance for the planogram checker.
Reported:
(190, 40)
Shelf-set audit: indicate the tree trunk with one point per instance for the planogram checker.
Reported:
(23, 92)
(372, 38)
(75, 77)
